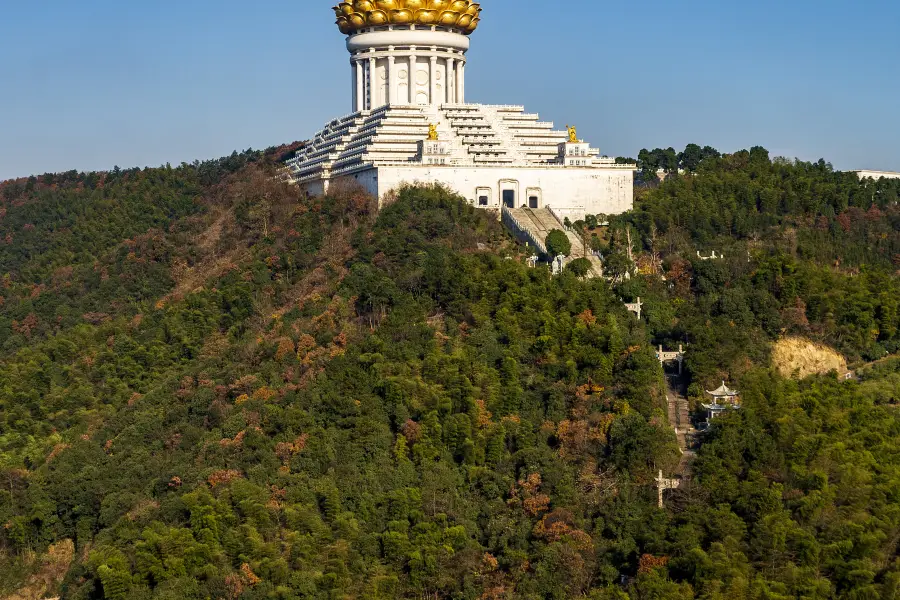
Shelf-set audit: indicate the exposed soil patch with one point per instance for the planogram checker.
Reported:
(798, 357)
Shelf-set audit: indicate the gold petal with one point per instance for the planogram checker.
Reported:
(377, 17)
(401, 16)
(426, 17)
(448, 18)
(414, 4)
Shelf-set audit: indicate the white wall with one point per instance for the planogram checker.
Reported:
(876, 175)
(573, 191)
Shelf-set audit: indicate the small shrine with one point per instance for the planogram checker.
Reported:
(434, 150)
(723, 399)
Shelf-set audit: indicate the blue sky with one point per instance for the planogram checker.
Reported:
(95, 83)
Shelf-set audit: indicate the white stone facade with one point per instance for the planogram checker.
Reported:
(876, 175)
(408, 79)
(573, 192)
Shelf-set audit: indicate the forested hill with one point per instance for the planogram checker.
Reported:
(808, 251)
(211, 387)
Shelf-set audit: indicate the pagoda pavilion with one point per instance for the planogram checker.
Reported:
(723, 399)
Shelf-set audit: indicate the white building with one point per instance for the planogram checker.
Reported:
(724, 399)
(411, 123)
(876, 175)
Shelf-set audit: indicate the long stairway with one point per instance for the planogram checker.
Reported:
(540, 222)
(680, 419)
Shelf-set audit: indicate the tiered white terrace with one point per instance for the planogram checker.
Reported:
(408, 81)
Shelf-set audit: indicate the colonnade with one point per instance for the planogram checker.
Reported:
(407, 76)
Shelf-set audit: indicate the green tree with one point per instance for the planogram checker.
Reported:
(579, 267)
(690, 158)
(557, 243)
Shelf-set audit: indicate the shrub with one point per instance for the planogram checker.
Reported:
(579, 267)
(558, 243)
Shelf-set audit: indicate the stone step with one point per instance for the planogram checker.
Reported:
(541, 222)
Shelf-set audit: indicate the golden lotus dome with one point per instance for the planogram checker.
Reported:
(355, 15)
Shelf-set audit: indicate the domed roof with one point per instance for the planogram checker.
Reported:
(354, 15)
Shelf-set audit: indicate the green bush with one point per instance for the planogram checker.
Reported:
(558, 243)
(579, 267)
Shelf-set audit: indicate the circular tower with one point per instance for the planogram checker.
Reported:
(407, 51)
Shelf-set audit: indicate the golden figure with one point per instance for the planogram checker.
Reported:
(354, 15)
(432, 133)
(573, 134)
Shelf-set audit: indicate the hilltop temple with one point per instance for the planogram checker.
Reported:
(410, 122)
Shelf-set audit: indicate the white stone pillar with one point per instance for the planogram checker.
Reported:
(359, 89)
(432, 98)
(391, 83)
(373, 89)
(413, 74)
(461, 83)
(451, 81)
(366, 85)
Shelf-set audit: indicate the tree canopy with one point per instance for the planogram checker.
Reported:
(558, 243)
(213, 387)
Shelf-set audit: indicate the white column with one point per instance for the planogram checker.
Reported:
(391, 84)
(433, 99)
(366, 83)
(412, 75)
(451, 81)
(373, 89)
(360, 90)
(461, 83)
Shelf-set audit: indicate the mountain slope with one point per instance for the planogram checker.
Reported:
(350, 407)
(211, 387)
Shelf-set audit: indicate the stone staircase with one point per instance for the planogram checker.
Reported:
(503, 132)
(539, 222)
(680, 419)
(459, 156)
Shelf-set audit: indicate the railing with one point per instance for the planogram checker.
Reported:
(559, 219)
(520, 231)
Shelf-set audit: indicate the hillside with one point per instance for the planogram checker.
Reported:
(211, 387)
(800, 358)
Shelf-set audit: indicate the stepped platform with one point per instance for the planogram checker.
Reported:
(492, 155)
(478, 134)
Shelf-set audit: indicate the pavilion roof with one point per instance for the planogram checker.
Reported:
(723, 392)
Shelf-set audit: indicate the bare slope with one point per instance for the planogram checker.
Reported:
(799, 357)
